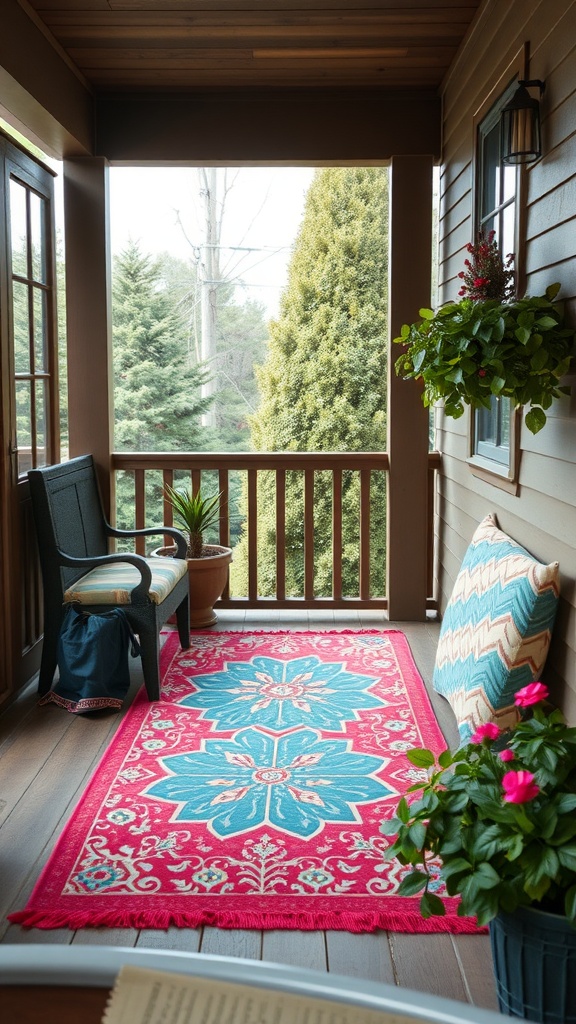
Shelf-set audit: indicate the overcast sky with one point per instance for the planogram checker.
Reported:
(263, 211)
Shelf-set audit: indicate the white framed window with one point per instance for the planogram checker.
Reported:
(493, 448)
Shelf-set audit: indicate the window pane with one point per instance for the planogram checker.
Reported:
(486, 424)
(21, 327)
(24, 425)
(41, 423)
(38, 240)
(505, 408)
(508, 230)
(508, 182)
(18, 228)
(489, 225)
(39, 330)
(490, 176)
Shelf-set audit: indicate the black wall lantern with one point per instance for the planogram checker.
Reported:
(520, 126)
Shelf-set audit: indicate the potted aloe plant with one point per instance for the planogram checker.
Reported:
(207, 563)
(489, 344)
(498, 816)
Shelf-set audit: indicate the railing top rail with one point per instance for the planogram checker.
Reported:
(249, 460)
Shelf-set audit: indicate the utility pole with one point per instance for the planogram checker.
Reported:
(210, 275)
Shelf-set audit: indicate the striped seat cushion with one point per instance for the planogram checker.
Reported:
(496, 629)
(113, 584)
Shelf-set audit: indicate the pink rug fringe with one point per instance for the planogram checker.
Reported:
(350, 922)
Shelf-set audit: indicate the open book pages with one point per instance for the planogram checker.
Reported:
(142, 996)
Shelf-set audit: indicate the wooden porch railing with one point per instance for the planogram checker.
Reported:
(281, 463)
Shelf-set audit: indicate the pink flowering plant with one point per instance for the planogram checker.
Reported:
(487, 275)
(499, 814)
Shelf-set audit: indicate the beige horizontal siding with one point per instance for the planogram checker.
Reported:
(542, 515)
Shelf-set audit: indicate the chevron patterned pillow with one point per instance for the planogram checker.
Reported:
(496, 629)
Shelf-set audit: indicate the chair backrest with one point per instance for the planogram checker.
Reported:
(69, 517)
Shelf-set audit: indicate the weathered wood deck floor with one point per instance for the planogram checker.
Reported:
(46, 757)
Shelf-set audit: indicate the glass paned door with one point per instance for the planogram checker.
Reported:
(32, 301)
(29, 413)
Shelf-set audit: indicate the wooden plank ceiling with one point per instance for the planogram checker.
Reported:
(125, 45)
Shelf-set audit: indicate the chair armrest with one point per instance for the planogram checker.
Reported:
(151, 531)
(139, 592)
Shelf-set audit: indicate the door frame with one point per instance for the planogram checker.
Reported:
(21, 609)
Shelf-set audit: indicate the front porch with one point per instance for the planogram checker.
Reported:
(49, 755)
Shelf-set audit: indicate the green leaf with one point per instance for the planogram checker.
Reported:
(390, 828)
(445, 759)
(426, 314)
(418, 359)
(546, 322)
(485, 875)
(457, 866)
(567, 856)
(417, 833)
(431, 905)
(413, 883)
(487, 842)
(420, 757)
(570, 904)
(486, 906)
(498, 329)
(403, 811)
(539, 359)
(552, 291)
(515, 847)
(565, 803)
(497, 384)
(535, 419)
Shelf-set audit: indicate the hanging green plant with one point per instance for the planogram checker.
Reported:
(471, 350)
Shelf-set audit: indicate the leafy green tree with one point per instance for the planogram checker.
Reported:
(323, 384)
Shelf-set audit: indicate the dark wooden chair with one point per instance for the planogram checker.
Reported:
(76, 567)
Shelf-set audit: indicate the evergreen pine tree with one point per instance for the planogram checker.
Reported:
(323, 385)
(157, 387)
(157, 400)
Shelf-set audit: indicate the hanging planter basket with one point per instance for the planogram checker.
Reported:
(470, 351)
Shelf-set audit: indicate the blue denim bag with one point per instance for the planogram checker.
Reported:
(93, 661)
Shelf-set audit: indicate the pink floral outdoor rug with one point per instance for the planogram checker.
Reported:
(251, 794)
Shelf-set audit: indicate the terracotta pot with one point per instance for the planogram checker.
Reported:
(207, 578)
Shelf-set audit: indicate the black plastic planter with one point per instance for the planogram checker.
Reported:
(534, 956)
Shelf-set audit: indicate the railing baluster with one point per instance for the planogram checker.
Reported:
(309, 534)
(167, 507)
(252, 535)
(224, 522)
(280, 534)
(337, 534)
(365, 534)
(140, 513)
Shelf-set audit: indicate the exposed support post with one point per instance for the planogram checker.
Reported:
(89, 314)
(409, 289)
